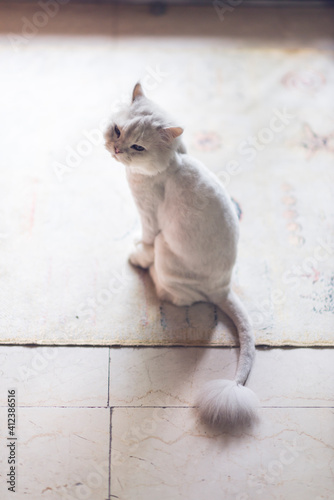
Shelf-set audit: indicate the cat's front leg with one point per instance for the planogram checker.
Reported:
(143, 255)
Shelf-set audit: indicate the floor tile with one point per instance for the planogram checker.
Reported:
(157, 453)
(62, 453)
(172, 376)
(58, 376)
(166, 454)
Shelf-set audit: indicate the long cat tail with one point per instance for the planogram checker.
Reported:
(228, 403)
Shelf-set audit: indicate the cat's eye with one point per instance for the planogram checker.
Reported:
(117, 131)
(137, 148)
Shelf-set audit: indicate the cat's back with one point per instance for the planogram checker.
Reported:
(194, 198)
(197, 217)
(194, 181)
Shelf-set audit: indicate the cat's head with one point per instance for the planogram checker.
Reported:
(141, 136)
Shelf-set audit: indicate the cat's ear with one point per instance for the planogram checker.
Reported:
(137, 92)
(171, 132)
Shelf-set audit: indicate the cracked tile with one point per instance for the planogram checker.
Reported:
(168, 454)
(62, 454)
(54, 376)
(172, 376)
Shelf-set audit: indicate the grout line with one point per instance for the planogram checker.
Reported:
(260, 347)
(193, 406)
(61, 406)
(108, 398)
(110, 443)
(296, 407)
(152, 406)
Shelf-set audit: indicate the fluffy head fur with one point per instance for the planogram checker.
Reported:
(142, 137)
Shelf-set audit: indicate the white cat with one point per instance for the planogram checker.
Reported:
(189, 237)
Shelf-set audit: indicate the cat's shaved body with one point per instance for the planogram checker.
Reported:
(189, 237)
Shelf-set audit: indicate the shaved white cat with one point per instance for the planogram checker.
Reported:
(189, 237)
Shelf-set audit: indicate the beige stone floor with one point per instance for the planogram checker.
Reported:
(67, 218)
(104, 423)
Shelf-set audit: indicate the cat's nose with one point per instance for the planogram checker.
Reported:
(117, 151)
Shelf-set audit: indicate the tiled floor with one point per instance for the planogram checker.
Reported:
(104, 423)
(100, 423)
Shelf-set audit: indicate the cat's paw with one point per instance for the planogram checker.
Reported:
(142, 256)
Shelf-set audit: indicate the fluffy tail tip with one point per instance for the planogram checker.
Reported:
(228, 405)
